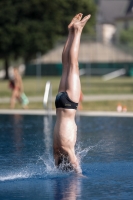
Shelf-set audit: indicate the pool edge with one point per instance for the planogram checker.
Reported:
(81, 113)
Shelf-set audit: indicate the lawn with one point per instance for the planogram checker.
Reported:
(34, 86)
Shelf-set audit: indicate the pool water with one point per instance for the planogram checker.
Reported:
(104, 147)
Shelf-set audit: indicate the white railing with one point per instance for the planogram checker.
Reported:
(47, 99)
(47, 103)
(114, 74)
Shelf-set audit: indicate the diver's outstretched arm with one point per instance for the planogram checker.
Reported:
(74, 161)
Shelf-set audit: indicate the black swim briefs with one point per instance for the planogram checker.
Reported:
(63, 101)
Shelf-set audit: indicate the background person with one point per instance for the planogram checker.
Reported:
(16, 85)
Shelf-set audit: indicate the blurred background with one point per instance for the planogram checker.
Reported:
(32, 35)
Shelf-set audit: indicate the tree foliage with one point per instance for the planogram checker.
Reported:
(27, 27)
(126, 37)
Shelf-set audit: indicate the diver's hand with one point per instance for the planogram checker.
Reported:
(81, 175)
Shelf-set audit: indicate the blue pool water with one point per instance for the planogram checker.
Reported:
(27, 171)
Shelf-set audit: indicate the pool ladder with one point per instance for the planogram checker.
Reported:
(47, 99)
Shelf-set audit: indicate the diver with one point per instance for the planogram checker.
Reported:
(66, 102)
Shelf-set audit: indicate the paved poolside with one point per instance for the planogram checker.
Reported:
(80, 113)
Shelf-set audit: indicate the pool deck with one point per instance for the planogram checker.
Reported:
(81, 113)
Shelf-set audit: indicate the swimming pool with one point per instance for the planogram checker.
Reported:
(27, 171)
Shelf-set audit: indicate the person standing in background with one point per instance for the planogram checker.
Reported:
(17, 90)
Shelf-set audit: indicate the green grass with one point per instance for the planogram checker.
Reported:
(87, 106)
(32, 86)
(94, 85)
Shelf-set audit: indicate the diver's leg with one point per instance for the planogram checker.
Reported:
(73, 86)
(62, 85)
(65, 54)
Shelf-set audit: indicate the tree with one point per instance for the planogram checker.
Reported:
(126, 37)
(28, 27)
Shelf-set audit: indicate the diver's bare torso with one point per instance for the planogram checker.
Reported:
(65, 135)
(65, 130)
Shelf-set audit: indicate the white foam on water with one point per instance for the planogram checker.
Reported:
(11, 176)
(43, 168)
(29, 171)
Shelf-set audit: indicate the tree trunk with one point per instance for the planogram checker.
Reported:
(6, 69)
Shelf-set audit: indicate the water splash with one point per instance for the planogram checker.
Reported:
(82, 151)
(45, 168)
(48, 163)
(14, 176)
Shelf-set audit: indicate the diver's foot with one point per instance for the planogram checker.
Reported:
(75, 19)
(79, 25)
